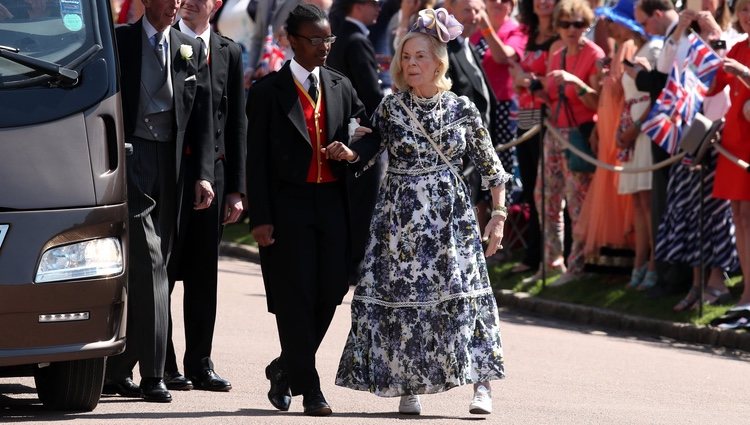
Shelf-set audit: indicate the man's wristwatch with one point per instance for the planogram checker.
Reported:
(745, 73)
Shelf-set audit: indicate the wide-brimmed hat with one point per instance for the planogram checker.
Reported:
(622, 13)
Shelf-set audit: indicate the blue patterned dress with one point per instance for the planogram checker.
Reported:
(424, 318)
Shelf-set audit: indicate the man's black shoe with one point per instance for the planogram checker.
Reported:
(177, 382)
(208, 380)
(125, 388)
(315, 404)
(154, 390)
(279, 395)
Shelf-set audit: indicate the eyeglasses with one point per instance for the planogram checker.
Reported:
(317, 41)
(575, 24)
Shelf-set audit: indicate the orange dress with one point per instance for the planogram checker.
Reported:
(607, 218)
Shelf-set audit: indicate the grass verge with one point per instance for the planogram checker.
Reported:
(608, 291)
(239, 233)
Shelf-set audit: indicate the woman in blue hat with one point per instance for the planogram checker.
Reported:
(636, 146)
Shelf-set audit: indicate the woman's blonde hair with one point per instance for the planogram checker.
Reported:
(437, 48)
(737, 6)
(570, 8)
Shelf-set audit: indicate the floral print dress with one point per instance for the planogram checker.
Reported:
(424, 318)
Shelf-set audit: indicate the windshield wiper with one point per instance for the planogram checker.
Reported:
(65, 75)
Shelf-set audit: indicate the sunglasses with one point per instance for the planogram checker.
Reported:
(317, 41)
(575, 24)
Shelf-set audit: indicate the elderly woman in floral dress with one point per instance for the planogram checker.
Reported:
(424, 318)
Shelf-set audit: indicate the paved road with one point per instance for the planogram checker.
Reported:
(558, 374)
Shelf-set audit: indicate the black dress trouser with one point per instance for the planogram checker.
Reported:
(306, 273)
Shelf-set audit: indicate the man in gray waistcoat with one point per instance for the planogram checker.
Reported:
(167, 116)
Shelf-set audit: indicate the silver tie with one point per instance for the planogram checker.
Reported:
(159, 49)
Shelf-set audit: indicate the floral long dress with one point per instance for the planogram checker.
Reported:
(424, 317)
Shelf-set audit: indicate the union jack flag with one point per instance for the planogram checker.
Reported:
(683, 95)
(703, 61)
(664, 122)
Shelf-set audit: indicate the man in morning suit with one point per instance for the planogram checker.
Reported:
(196, 262)
(298, 201)
(468, 78)
(167, 118)
(354, 56)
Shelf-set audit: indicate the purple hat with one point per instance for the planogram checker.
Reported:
(622, 13)
(438, 23)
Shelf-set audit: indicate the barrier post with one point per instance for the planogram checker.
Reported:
(702, 272)
(542, 215)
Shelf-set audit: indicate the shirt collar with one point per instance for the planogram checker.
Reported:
(362, 27)
(301, 74)
(151, 31)
(205, 35)
(671, 28)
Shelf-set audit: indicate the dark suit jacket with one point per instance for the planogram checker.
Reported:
(228, 145)
(465, 82)
(652, 82)
(191, 98)
(228, 104)
(279, 146)
(354, 56)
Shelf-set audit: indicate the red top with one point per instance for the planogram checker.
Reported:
(315, 119)
(512, 34)
(732, 182)
(582, 65)
(534, 61)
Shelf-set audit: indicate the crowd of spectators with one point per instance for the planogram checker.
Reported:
(593, 71)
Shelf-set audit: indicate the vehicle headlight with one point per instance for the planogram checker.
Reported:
(94, 258)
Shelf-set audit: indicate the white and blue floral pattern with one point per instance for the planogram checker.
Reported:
(424, 318)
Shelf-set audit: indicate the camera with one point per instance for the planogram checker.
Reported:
(718, 44)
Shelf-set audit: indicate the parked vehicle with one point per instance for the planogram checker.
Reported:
(63, 211)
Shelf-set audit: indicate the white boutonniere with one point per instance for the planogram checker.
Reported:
(186, 51)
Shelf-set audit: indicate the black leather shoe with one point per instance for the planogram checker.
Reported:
(154, 389)
(279, 395)
(177, 382)
(208, 380)
(315, 404)
(125, 388)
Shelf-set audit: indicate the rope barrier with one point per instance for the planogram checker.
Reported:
(533, 131)
(525, 137)
(737, 161)
(616, 168)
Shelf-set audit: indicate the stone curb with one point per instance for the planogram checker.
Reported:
(585, 315)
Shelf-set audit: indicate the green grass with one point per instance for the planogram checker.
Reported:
(597, 290)
(608, 291)
(238, 233)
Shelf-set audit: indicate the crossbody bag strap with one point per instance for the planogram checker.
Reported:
(432, 142)
(562, 99)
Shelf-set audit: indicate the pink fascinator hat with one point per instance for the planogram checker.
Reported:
(439, 24)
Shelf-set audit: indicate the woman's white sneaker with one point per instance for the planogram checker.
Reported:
(481, 404)
(409, 405)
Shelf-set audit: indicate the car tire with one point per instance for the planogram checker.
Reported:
(74, 385)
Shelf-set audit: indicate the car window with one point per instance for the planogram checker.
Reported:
(56, 31)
